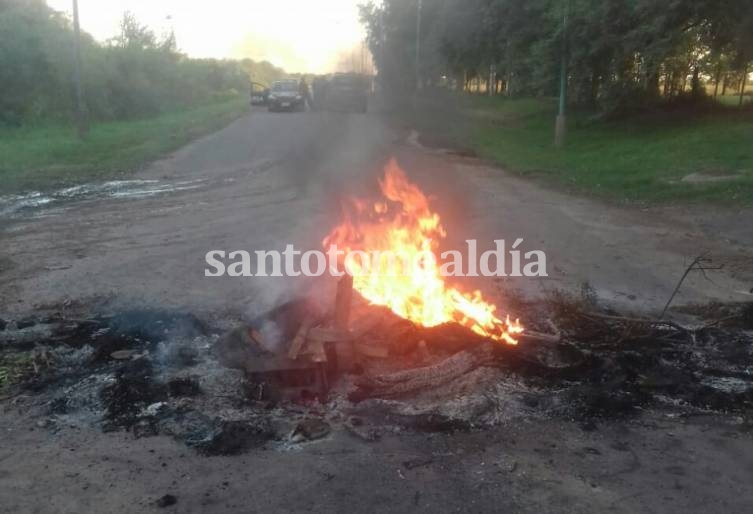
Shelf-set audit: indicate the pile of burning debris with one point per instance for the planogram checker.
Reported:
(223, 392)
(391, 352)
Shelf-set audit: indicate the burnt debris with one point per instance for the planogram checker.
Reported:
(259, 383)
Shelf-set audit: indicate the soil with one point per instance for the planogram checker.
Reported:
(579, 423)
(167, 426)
(269, 180)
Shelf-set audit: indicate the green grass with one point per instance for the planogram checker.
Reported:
(639, 160)
(47, 156)
(13, 369)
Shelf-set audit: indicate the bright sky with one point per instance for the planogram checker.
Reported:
(312, 36)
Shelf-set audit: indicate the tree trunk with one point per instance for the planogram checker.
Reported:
(695, 85)
(594, 93)
(742, 86)
(673, 84)
(652, 84)
(717, 78)
(724, 84)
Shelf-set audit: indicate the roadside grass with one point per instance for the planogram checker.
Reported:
(47, 156)
(640, 160)
(13, 369)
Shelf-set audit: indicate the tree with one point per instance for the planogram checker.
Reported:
(133, 35)
(623, 54)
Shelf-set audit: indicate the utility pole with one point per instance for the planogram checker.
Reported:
(560, 128)
(363, 57)
(742, 87)
(418, 44)
(81, 121)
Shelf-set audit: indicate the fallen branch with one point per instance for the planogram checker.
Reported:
(696, 265)
(637, 321)
(530, 335)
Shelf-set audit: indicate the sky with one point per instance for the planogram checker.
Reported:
(298, 35)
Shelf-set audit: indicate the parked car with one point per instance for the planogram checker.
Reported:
(347, 92)
(285, 95)
(260, 97)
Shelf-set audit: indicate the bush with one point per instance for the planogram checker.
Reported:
(135, 75)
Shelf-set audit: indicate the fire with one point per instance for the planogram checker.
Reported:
(403, 224)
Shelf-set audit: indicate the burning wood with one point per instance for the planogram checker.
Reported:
(402, 227)
(300, 337)
(344, 348)
(405, 382)
(343, 302)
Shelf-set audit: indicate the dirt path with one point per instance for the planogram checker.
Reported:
(655, 464)
(269, 180)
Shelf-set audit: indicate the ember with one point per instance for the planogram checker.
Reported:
(403, 224)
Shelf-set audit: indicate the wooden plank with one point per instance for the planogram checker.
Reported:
(343, 301)
(256, 336)
(300, 337)
(346, 358)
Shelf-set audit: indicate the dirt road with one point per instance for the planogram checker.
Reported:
(656, 465)
(269, 180)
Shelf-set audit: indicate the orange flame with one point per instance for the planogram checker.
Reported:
(403, 224)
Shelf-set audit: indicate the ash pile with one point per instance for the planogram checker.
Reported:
(301, 371)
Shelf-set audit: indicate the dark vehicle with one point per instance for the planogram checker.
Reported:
(260, 97)
(285, 95)
(347, 92)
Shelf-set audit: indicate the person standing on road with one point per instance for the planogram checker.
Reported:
(303, 90)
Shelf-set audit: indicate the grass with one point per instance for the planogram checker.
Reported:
(639, 160)
(13, 369)
(46, 156)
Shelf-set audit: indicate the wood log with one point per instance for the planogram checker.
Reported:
(256, 336)
(343, 300)
(346, 358)
(410, 381)
(300, 338)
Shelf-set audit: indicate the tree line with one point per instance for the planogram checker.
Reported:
(619, 54)
(134, 75)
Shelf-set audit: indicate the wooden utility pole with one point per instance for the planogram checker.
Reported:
(418, 44)
(560, 127)
(744, 83)
(81, 118)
